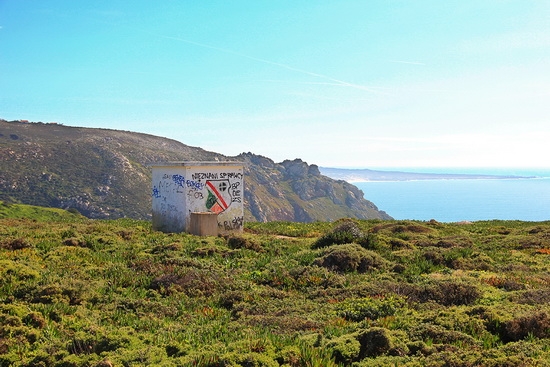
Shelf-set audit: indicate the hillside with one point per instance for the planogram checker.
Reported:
(104, 174)
(76, 292)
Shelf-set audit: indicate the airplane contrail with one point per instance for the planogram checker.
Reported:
(407, 62)
(314, 83)
(285, 66)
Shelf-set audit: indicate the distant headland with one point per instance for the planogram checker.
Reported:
(360, 175)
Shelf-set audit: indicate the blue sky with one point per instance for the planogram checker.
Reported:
(344, 83)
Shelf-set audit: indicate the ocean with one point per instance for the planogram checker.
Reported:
(465, 199)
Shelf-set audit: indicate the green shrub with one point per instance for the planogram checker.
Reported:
(349, 258)
(112, 342)
(8, 360)
(35, 320)
(40, 359)
(534, 351)
(399, 244)
(415, 263)
(374, 341)
(229, 298)
(440, 335)
(288, 356)
(467, 259)
(345, 232)
(210, 251)
(74, 211)
(345, 349)
(73, 361)
(390, 227)
(11, 270)
(256, 360)
(369, 308)
(311, 356)
(419, 347)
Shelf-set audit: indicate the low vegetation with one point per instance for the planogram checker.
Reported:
(98, 293)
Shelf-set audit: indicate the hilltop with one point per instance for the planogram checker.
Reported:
(104, 173)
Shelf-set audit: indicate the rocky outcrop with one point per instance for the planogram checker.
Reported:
(302, 193)
(105, 174)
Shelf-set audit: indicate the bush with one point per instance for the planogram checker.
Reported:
(345, 232)
(349, 258)
(345, 349)
(537, 325)
(15, 244)
(209, 251)
(371, 308)
(315, 357)
(289, 356)
(104, 363)
(7, 360)
(447, 293)
(193, 282)
(402, 227)
(533, 297)
(374, 341)
(256, 360)
(39, 360)
(34, 319)
(237, 242)
(440, 335)
(228, 299)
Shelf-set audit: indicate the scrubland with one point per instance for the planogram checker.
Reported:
(81, 292)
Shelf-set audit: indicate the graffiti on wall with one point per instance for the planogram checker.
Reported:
(221, 193)
(178, 191)
(235, 223)
(174, 184)
(216, 190)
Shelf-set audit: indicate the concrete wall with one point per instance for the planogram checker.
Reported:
(169, 199)
(182, 188)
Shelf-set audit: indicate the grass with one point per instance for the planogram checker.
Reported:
(37, 213)
(80, 292)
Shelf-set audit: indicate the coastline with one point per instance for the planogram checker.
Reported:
(368, 175)
(354, 181)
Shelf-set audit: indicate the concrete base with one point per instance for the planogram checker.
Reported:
(204, 224)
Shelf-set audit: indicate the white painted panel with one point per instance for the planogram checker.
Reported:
(168, 191)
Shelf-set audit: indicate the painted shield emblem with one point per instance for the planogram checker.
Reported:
(219, 195)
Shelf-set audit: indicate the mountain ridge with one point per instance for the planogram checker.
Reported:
(105, 173)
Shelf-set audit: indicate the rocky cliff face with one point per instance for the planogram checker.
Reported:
(104, 174)
(296, 191)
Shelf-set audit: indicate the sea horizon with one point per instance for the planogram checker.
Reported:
(541, 172)
(454, 200)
